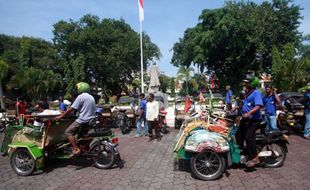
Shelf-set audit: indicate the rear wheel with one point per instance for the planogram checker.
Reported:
(106, 156)
(278, 155)
(207, 165)
(22, 162)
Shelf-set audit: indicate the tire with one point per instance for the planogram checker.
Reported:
(207, 165)
(164, 129)
(176, 124)
(22, 162)
(274, 161)
(107, 157)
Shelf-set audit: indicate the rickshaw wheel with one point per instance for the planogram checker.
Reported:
(22, 162)
(207, 165)
(106, 157)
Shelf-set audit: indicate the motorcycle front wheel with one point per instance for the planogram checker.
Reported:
(278, 155)
(207, 165)
(105, 155)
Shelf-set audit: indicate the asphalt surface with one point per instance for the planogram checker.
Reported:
(150, 165)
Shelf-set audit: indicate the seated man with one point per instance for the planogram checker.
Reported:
(86, 106)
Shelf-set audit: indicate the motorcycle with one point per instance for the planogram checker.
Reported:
(122, 122)
(292, 117)
(162, 122)
(290, 121)
(29, 145)
(3, 120)
(210, 147)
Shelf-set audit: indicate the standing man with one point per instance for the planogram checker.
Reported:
(271, 100)
(228, 99)
(152, 112)
(86, 106)
(307, 114)
(251, 117)
(142, 117)
(20, 106)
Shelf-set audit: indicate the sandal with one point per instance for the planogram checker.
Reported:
(75, 152)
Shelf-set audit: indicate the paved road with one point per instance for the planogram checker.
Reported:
(149, 165)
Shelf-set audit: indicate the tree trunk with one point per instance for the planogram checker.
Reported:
(2, 103)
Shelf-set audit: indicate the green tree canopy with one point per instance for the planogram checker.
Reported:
(105, 52)
(32, 65)
(238, 37)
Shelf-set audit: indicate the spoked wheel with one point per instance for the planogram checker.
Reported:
(278, 155)
(22, 162)
(106, 156)
(207, 165)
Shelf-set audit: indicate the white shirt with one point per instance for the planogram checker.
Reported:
(152, 110)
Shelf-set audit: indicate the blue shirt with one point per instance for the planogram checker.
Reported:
(307, 96)
(143, 107)
(254, 99)
(63, 106)
(228, 97)
(270, 105)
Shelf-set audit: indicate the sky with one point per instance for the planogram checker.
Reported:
(164, 20)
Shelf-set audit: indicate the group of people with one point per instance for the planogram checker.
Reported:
(148, 115)
(22, 106)
(250, 108)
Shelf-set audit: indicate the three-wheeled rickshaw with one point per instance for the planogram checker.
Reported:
(37, 137)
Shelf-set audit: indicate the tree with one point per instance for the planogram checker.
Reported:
(172, 86)
(3, 72)
(238, 37)
(32, 65)
(189, 86)
(164, 83)
(289, 73)
(35, 82)
(107, 51)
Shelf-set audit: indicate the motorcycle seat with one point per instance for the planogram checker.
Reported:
(274, 133)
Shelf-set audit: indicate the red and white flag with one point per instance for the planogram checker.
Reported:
(141, 10)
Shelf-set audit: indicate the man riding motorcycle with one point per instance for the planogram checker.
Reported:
(251, 115)
(86, 106)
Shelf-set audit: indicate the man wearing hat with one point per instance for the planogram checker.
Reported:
(251, 117)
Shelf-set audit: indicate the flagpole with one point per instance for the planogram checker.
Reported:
(141, 54)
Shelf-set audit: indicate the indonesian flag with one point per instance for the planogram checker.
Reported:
(141, 11)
